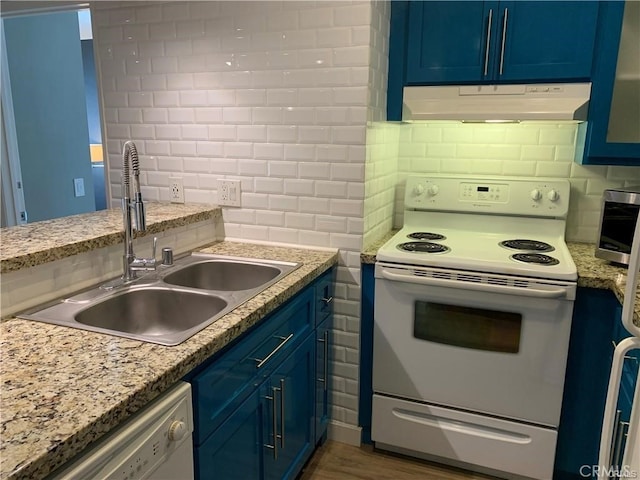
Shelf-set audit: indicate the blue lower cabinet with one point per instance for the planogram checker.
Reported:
(291, 391)
(234, 451)
(323, 375)
(258, 410)
(269, 436)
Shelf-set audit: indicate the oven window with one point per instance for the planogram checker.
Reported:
(467, 327)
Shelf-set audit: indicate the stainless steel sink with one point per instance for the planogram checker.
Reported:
(152, 311)
(223, 275)
(169, 305)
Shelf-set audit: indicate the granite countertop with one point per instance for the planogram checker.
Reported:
(41, 242)
(62, 388)
(592, 272)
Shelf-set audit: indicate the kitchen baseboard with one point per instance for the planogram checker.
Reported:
(341, 432)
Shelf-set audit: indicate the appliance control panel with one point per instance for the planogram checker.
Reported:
(486, 192)
(510, 196)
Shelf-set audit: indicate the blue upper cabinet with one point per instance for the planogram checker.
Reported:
(496, 42)
(444, 42)
(611, 136)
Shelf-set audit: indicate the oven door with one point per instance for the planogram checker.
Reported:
(491, 344)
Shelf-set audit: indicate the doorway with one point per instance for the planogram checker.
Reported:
(52, 85)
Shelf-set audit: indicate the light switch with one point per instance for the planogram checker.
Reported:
(78, 187)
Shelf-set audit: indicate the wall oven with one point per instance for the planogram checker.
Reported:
(470, 343)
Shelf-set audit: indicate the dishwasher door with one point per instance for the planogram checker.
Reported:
(155, 444)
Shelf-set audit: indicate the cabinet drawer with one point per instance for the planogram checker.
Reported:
(232, 377)
(324, 296)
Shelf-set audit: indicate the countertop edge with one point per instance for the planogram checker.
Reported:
(160, 217)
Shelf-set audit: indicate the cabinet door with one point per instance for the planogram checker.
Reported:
(236, 449)
(450, 42)
(545, 40)
(612, 134)
(323, 375)
(224, 384)
(292, 385)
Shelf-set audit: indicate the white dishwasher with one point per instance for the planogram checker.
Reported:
(155, 443)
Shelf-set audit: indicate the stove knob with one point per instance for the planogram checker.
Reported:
(177, 430)
(433, 190)
(536, 194)
(553, 195)
(418, 190)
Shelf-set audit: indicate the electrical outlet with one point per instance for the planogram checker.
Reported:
(177, 190)
(229, 192)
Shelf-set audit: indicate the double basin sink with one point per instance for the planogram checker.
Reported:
(171, 304)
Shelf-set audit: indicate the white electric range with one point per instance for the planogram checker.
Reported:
(473, 305)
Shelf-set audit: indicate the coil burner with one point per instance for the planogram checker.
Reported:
(530, 245)
(537, 258)
(423, 247)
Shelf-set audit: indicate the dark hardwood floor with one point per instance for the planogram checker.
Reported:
(338, 461)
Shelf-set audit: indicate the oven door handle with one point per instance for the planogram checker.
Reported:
(479, 287)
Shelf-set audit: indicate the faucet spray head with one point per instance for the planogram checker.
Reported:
(130, 151)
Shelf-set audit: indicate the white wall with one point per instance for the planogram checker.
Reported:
(275, 94)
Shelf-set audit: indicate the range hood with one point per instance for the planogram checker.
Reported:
(486, 103)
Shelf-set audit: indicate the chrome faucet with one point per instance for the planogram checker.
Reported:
(131, 264)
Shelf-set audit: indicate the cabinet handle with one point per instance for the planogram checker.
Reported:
(326, 360)
(619, 440)
(504, 38)
(488, 43)
(281, 412)
(327, 300)
(261, 361)
(325, 341)
(274, 423)
(614, 436)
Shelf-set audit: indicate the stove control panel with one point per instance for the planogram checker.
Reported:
(513, 196)
(486, 192)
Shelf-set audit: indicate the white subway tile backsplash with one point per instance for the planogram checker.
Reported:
(165, 99)
(282, 133)
(227, 166)
(352, 15)
(126, 115)
(557, 136)
(522, 168)
(209, 149)
(357, 56)
(266, 115)
(251, 97)
(299, 221)
(316, 239)
(555, 169)
(168, 132)
(183, 148)
(350, 135)
(332, 189)
(144, 132)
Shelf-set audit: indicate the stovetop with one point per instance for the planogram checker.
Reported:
(450, 227)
